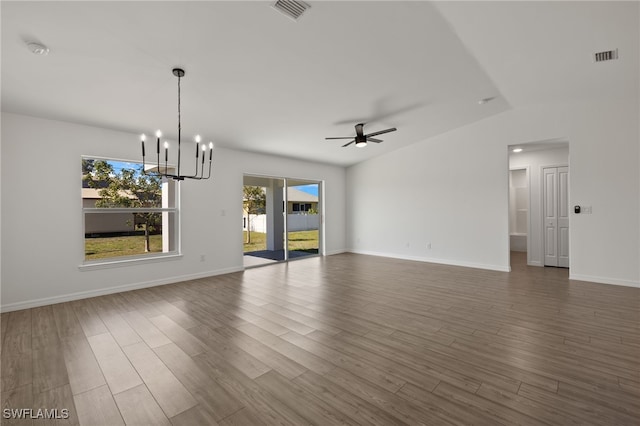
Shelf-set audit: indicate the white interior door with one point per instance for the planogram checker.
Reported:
(563, 217)
(550, 180)
(556, 216)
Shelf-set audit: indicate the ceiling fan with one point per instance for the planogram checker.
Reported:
(361, 139)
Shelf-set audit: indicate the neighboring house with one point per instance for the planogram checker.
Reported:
(97, 224)
(300, 202)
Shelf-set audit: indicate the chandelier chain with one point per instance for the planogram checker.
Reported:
(179, 125)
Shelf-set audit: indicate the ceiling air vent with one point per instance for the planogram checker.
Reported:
(607, 55)
(291, 8)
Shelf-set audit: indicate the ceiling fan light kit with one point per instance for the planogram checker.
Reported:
(360, 139)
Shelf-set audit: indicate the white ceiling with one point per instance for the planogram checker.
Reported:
(260, 82)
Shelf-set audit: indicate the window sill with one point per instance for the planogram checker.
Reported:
(107, 264)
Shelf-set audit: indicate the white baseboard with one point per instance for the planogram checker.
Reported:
(604, 280)
(332, 252)
(436, 260)
(34, 303)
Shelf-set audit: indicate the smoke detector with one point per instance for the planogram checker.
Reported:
(38, 48)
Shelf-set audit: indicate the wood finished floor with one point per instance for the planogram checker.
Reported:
(346, 339)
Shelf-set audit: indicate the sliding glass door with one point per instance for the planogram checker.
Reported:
(281, 219)
(303, 218)
(263, 222)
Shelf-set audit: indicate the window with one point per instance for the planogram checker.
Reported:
(127, 215)
(301, 207)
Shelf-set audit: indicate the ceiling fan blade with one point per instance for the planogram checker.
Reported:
(374, 140)
(360, 129)
(343, 137)
(393, 129)
(347, 144)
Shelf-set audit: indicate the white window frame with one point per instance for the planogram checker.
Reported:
(141, 258)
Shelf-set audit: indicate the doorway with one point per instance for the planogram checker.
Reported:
(262, 221)
(281, 219)
(303, 218)
(535, 158)
(519, 212)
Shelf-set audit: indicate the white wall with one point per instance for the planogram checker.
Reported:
(534, 161)
(42, 237)
(452, 191)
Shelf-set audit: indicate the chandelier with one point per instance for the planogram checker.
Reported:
(158, 171)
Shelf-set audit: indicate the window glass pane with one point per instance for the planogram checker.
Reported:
(112, 235)
(119, 184)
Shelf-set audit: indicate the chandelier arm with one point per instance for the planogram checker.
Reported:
(202, 166)
(158, 151)
(166, 160)
(197, 156)
(143, 166)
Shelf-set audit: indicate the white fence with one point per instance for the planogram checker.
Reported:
(302, 222)
(295, 222)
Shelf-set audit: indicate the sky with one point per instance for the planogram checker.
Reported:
(119, 165)
(309, 189)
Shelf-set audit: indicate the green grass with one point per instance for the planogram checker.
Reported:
(258, 241)
(104, 248)
(301, 240)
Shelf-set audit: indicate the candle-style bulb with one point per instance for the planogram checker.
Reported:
(166, 144)
(143, 137)
(158, 134)
(210, 145)
(197, 139)
(204, 148)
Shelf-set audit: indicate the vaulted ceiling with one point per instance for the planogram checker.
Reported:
(259, 81)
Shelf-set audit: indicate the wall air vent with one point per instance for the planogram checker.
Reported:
(291, 8)
(607, 55)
